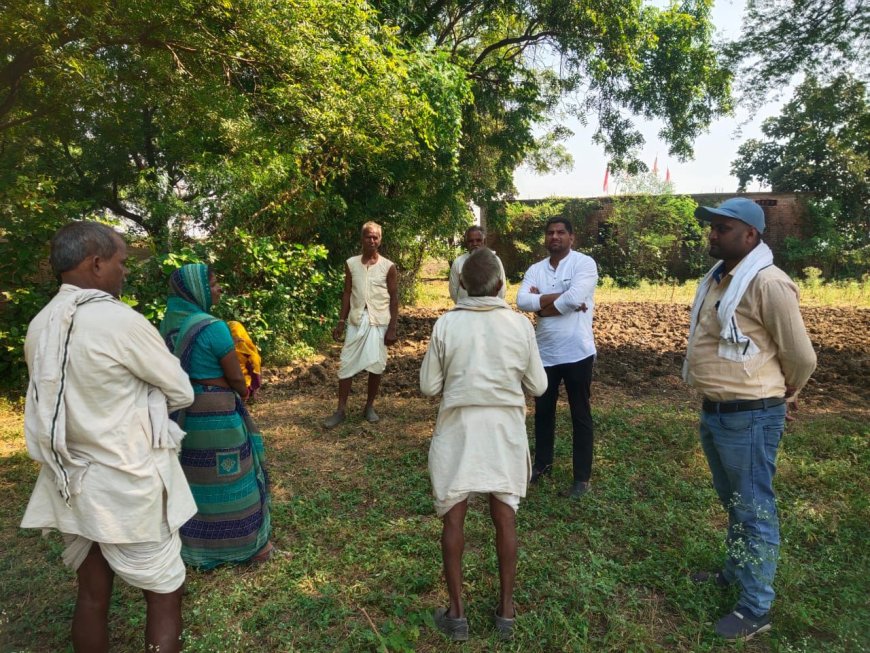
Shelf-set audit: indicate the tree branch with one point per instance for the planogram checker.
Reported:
(527, 39)
(115, 207)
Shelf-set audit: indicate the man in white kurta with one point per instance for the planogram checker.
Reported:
(481, 357)
(108, 482)
(369, 311)
(474, 239)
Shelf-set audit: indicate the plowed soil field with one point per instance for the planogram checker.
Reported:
(640, 350)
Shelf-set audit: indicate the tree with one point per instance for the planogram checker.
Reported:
(650, 233)
(820, 144)
(209, 112)
(815, 37)
(208, 116)
(597, 58)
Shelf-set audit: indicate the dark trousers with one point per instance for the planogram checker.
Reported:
(578, 383)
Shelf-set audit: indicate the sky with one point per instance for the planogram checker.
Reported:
(714, 151)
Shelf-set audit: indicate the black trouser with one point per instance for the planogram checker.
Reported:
(578, 382)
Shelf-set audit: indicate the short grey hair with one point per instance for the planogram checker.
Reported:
(481, 273)
(78, 240)
(373, 226)
(475, 227)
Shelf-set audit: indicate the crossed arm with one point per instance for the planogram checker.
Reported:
(583, 282)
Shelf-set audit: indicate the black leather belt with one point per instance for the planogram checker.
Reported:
(740, 406)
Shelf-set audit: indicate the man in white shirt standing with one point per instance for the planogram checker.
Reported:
(475, 238)
(559, 290)
(110, 481)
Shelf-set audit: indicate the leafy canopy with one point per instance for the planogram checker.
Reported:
(781, 39)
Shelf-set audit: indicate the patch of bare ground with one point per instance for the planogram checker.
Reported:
(640, 353)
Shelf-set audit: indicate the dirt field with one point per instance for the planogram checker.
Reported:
(640, 350)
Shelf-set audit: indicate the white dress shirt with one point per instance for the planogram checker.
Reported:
(564, 338)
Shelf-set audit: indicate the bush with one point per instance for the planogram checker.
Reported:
(283, 293)
(832, 243)
(652, 238)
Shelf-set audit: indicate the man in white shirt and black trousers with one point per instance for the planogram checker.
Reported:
(559, 290)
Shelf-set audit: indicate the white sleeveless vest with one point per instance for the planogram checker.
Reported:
(369, 291)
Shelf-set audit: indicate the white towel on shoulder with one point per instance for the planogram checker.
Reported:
(45, 406)
(733, 344)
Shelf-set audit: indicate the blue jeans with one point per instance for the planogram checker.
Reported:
(741, 451)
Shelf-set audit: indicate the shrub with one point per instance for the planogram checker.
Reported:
(650, 237)
(832, 243)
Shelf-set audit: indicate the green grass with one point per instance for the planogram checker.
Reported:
(360, 562)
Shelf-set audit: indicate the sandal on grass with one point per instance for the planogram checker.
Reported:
(263, 555)
(504, 626)
(455, 628)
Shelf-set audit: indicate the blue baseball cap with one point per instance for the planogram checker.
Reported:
(737, 208)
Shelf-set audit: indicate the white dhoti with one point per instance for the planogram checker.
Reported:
(479, 450)
(151, 566)
(364, 349)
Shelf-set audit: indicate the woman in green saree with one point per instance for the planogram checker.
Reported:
(222, 454)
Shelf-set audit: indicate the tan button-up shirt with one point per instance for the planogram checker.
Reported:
(768, 313)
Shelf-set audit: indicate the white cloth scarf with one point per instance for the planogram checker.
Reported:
(733, 345)
(480, 304)
(45, 406)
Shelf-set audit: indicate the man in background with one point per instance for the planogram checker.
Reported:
(475, 238)
(110, 481)
(369, 312)
(559, 290)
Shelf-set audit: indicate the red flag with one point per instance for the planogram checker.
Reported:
(606, 178)
(667, 175)
(656, 166)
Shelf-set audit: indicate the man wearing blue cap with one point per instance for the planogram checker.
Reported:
(748, 353)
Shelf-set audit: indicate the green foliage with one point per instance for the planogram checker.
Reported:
(782, 39)
(283, 293)
(650, 235)
(838, 249)
(599, 60)
(820, 144)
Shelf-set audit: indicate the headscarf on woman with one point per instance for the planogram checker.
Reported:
(187, 310)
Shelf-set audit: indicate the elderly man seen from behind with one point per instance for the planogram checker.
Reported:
(96, 419)
(480, 358)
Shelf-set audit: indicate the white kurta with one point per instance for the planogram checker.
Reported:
(480, 358)
(114, 356)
